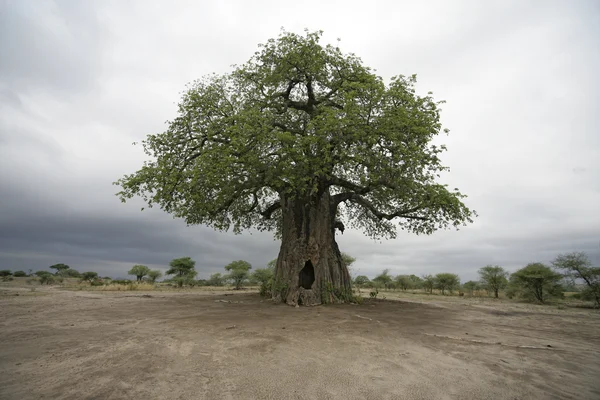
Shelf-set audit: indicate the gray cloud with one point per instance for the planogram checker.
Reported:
(80, 81)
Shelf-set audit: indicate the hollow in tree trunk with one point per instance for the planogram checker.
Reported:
(310, 269)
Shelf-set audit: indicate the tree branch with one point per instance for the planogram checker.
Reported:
(271, 209)
(360, 200)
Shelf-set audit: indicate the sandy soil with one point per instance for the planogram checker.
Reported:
(125, 345)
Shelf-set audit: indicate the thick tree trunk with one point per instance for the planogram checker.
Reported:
(310, 269)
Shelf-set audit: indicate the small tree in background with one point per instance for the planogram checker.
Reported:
(154, 274)
(428, 283)
(536, 282)
(41, 273)
(89, 276)
(403, 282)
(238, 272)
(47, 279)
(264, 277)
(470, 287)
(577, 265)
(140, 271)
(182, 267)
(19, 274)
(416, 282)
(347, 258)
(384, 279)
(216, 279)
(187, 279)
(446, 281)
(494, 278)
(361, 281)
(60, 268)
(71, 273)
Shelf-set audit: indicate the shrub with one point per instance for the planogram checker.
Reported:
(577, 266)
(19, 274)
(535, 282)
(47, 279)
(445, 281)
(140, 271)
(493, 278)
(154, 274)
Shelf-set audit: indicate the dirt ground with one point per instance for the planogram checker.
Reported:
(58, 344)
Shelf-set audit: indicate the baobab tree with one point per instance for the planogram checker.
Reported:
(302, 140)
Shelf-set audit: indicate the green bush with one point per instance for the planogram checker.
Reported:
(265, 289)
(535, 283)
(47, 279)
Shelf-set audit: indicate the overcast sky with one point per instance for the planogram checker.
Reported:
(81, 80)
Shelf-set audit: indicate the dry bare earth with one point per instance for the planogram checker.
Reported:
(115, 345)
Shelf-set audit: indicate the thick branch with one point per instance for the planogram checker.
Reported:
(271, 209)
(360, 200)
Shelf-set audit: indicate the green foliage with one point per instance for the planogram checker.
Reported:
(416, 282)
(5, 272)
(47, 279)
(216, 280)
(446, 281)
(19, 274)
(471, 286)
(296, 117)
(361, 280)
(403, 282)
(535, 282)
(42, 273)
(384, 279)
(184, 280)
(428, 283)
(182, 267)
(154, 274)
(348, 259)
(89, 276)
(71, 273)
(240, 264)
(264, 277)
(60, 268)
(493, 278)
(238, 272)
(577, 266)
(140, 271)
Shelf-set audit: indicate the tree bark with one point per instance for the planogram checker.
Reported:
(310, 269)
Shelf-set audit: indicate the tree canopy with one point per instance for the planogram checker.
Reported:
(89, 276)
(140, 271)
(299, 117)
(493, 278)
(183, 266)
(238, 272)
(154, 274)
(446, 281)
(60, 268)
(536, 281)
(384, 279)
(577, 266)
